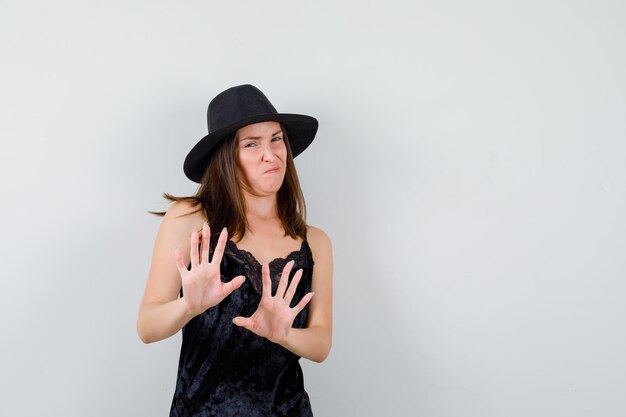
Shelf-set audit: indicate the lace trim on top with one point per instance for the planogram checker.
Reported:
(253, 267)
(252, 259)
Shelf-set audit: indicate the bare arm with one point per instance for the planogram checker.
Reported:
(314, 341)
(162, 313)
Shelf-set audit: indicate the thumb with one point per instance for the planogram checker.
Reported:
(244, 322)
(233, 284)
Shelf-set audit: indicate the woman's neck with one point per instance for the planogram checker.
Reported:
(261, 208)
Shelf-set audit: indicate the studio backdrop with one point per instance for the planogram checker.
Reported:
(468, 168)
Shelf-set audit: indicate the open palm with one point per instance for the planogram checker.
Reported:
(274, 317)
(202, 285)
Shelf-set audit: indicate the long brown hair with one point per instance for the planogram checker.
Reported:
(221, 197)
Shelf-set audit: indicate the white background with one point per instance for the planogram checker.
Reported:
(469, 168)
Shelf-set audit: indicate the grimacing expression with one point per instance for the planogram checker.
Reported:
(261, 157)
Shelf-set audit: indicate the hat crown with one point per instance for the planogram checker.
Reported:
(235, 104)
(237, 107)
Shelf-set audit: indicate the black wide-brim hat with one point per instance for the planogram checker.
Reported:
(238, 107)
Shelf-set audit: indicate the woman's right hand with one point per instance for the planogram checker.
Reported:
(202, 285)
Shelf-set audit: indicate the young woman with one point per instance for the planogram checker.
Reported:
(239, 270)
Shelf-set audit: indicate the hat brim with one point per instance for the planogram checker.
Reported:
(301, 130)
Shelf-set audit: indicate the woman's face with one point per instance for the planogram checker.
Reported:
(262, 157)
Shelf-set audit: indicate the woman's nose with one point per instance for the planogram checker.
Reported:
(268, 154)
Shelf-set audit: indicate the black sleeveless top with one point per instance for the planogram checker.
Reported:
(225, 370)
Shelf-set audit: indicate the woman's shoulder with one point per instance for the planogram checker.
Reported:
(185, 214)
(317, 238)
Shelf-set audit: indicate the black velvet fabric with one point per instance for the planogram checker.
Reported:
(225, 370)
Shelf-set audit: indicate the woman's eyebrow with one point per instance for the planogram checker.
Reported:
(259, 137)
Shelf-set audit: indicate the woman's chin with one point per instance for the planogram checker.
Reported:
(266, 189)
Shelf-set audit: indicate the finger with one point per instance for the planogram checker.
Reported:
(305, 300)
(182, 269)
(267, 283)
(282, 284)
(194, 249)
(233, 284)
(292, 287)
(245, 322)
(219, 248)
(206, 242)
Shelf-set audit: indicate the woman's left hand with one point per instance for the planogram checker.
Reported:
(273, 318)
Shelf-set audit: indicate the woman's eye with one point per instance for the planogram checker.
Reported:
(277, 138)
(249, 145)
